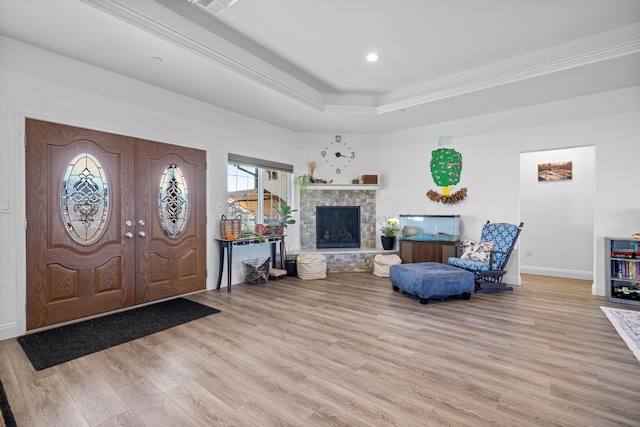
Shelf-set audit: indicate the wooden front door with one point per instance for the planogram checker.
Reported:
(95, 239)
(171, 256)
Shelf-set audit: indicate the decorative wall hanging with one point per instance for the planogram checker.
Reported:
(561, 171)
(446, 169)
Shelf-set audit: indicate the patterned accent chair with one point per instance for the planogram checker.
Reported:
(487, 258)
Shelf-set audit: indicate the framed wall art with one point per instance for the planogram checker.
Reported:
(561, 171)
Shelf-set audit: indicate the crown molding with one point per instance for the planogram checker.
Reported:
(151, 26)
(123, 12)
(622, 49)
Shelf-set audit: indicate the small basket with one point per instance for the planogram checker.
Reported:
(231, 227)
(256, 272)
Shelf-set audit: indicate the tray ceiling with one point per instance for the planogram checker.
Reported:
(300, 64)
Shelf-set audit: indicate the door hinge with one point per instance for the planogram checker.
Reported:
(25, 140)
(26, 308)
(206, 273)
(25, 224)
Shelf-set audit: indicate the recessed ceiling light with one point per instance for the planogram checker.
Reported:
(373, 57)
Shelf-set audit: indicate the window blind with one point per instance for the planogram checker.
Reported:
(238, 159)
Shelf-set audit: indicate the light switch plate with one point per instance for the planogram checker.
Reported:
(6, 206)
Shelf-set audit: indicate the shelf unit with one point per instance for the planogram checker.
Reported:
(623, 269)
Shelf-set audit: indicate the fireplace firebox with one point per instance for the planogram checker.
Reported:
(337, 227)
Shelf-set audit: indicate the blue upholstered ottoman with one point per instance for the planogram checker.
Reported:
(432, 280)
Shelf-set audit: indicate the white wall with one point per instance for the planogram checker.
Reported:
(558, 215)
(365, 162)
(491, 146)
(39, 84)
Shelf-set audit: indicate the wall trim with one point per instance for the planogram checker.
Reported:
(557, 272)
(8, 330)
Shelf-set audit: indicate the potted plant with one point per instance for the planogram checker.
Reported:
(285, 217)
(389, 228)
(301, 182)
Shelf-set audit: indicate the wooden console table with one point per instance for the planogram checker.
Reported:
(229, 244)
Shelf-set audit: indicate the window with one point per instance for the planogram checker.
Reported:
(256, 188)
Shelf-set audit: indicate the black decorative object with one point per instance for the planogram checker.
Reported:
(388, 242)
(292, 267)
(54, 346)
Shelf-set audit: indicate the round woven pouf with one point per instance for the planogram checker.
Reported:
(312, 266)
(381, 264)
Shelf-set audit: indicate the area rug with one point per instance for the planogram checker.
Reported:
(627, 323)
(6, 416)
(59, 345)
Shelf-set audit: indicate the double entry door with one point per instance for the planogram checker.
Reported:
(112, 221)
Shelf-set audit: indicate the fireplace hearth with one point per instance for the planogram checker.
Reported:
(337, 227)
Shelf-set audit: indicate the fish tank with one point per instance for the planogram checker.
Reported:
(430, 228)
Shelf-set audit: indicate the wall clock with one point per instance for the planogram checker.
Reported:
(338, 154)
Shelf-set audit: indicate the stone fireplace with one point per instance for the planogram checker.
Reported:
(341, 259)
(364, 199)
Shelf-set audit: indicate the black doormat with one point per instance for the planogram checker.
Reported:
(54, 346)
(6, 416)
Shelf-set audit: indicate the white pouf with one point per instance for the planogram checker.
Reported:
(311, 266)
(381, 264)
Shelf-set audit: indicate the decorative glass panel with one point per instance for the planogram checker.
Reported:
(85, 199)
(173, 201)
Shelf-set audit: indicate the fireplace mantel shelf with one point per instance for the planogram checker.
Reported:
(342, 186)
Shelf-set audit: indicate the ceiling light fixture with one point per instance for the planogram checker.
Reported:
(373, 57)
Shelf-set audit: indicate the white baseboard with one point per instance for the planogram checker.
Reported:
(8, 330)
(512, 279)
(557, 272)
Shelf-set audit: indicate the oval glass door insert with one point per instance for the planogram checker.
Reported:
(85, 199)
(173, 201)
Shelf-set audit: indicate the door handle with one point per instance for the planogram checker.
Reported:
(142, 234)
(129, 235)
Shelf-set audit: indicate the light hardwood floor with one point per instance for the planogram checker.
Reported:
(349, 351)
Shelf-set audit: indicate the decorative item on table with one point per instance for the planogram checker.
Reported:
(285, 217)
(231, 228)
(256, 271)
(389, 228)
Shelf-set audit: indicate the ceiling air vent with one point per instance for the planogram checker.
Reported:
(215, 6)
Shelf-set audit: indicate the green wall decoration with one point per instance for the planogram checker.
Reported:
(446, 167)
(446, 170)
